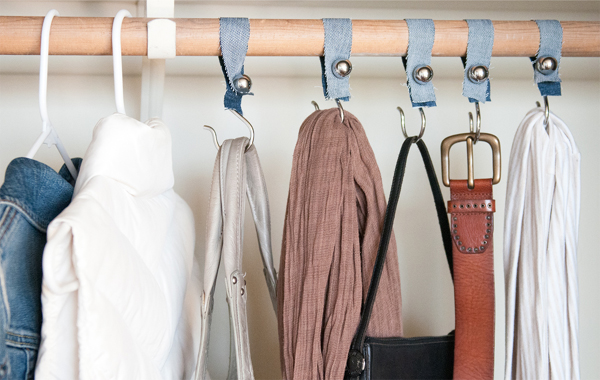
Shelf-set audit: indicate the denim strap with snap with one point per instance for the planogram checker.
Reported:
(421, 33)
(476, 84)
(338, 44)
(233, 36)
(551, 37)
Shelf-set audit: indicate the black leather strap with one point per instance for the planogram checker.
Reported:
(390, 213)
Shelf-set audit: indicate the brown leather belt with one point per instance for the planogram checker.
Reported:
(472, 225)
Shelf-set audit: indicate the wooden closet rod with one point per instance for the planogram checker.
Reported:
(272, 37)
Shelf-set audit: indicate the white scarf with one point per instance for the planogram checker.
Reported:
(540, 251)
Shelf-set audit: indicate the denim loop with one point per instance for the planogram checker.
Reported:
(234, 34)
(421, 33)
(338, 46)
(551, 38)
(479, 53)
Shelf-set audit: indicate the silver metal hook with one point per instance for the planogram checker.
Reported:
(316, 105)
(546, 110)
(339, 104)
(244, 120)
(214, 134)
(403, 123)
(471, 126)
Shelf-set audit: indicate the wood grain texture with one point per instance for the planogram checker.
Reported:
(277, 37)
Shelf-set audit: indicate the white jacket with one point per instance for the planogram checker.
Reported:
(119, 298)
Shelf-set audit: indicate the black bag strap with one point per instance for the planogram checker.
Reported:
(359, 338)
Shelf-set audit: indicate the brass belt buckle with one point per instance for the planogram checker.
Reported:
(470, 138)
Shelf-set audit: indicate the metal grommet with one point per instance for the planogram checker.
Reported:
(455, 218)
(478, 74)
(341, 68)
(423, 74)
(469, 249)
(476, 249)
(454, 206)
(475, 205)
(455, 231)
(456, 237)
(487, 236)
(483, 205)
(468, 205)
(488, 217)
(546, 65)
(462, 248)
(459, 243)
(455, 225)
(242, 291)
(484, 242)
(488, 231)
(234, 280)
(488, 224)
(481, 248)
(242, 84)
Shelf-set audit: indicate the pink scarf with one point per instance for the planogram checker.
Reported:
(335, 211)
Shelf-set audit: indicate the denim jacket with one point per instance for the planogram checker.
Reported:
(32, 195)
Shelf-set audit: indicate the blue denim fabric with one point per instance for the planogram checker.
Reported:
(234, 34)
(551, 38)
(338, 46)
(479, 53)
(31, 197)
(421, 33)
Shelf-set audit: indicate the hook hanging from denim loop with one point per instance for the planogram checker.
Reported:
(244, 120)
(335, 62)
(472, 128)
(403, 123)
(546, 110)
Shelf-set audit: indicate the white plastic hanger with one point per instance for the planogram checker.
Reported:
(117, 64)
(49, 135)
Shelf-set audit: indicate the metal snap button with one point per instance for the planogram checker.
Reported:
(546, 65)
(242, 84)
(342, 68)
(478, 74)
(423, 74)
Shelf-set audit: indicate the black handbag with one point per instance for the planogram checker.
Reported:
(430, 357)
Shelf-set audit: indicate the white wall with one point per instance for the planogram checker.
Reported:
(80, 92)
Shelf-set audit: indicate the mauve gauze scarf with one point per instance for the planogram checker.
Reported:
(333, 225)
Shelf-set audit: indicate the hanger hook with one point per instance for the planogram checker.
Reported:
(117, 63)
(403, 123)
(44, 49)
(471, 126)
(214, 135)
(339, 104)
(316, 105)
(244, 120)
(546, 111)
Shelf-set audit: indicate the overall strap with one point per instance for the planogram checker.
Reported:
(355, 359)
